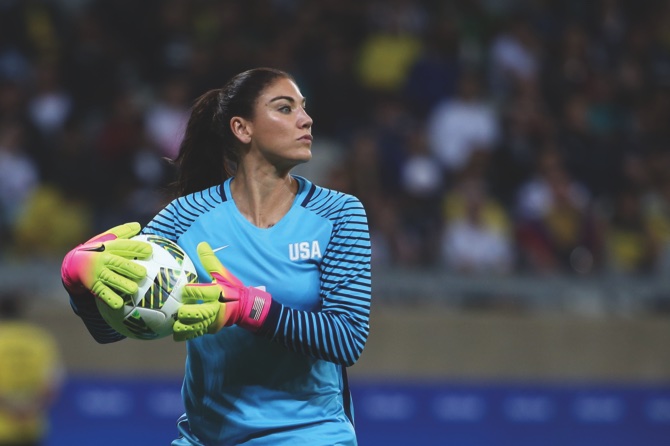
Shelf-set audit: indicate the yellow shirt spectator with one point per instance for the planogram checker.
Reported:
(30, 375)
(385, 60)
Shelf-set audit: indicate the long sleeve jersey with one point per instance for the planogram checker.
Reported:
(287, 383)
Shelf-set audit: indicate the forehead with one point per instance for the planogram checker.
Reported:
(281, 87)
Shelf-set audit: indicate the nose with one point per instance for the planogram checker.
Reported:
(305, 121)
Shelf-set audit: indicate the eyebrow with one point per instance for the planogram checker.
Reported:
(287, 98)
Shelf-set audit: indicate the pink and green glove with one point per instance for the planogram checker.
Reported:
(208, 307)
(103, 265)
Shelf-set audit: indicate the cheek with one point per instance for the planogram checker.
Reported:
(272, 132)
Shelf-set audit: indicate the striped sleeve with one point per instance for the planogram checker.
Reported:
(175, 219)
(340, 330)
(84, 306)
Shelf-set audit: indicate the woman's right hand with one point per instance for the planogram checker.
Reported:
(103, 265)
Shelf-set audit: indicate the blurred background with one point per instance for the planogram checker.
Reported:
(513, 157)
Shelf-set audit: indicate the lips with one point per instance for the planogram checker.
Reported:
(306, 138)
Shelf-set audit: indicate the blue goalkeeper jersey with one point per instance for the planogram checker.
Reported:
(286, 384)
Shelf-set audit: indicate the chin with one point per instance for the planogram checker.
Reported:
(298, 160)
(303, 156)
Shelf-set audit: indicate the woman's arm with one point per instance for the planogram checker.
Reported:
(339, 331)
(85, 307)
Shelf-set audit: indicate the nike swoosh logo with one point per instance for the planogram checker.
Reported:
(100, 248)
(220, 248)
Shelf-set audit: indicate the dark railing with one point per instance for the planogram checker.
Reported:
(596, 295)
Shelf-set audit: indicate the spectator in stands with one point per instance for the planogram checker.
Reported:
(514, 57)
(51, 103)
(31, 374)
(535, 196)
(460, 126)
(391, 46)
(631, 246)
(526, 125)
(476, 235)
(19, 177)
(165, 119)
(433, 75)
(555, 222)
(422, 185)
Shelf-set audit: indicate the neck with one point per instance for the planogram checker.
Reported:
(263, 201)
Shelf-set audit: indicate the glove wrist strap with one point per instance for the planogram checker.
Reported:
(256, 310)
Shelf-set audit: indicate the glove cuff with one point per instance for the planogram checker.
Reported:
(66, 273)
(256, 310)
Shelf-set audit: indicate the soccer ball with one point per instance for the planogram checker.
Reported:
(151, 312)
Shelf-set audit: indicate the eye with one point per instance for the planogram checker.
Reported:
(285, 109)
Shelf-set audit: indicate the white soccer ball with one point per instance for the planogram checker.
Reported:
(151, 312)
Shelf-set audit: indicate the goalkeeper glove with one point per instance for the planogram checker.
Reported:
(226, 301)
(103, 265)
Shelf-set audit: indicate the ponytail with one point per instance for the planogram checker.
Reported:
(201, 160)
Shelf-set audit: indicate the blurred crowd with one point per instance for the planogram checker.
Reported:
(483, 136)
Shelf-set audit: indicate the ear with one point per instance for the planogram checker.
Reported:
(241, 128)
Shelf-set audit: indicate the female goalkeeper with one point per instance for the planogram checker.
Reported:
(269, 336)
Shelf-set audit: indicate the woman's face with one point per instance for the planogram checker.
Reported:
(281, 129)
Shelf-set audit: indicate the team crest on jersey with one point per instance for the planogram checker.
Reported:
(304, 250)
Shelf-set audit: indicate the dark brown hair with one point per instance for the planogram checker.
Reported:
(209, 151)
